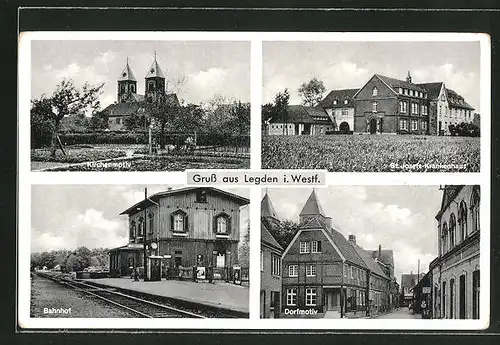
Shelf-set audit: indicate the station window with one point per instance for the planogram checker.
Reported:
(310, 297)
(178, 221)
(291, 296)
(201, 196)
(222, 223)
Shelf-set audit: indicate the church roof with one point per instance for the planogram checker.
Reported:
(122, 109)
(155, 71)
(312, 206)
(267, 208)
(127, 74)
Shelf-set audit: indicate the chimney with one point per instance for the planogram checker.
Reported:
(169, 188)
(145, 192)
(352, 239)
(379, 251)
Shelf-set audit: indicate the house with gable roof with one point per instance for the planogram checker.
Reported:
(270, 262)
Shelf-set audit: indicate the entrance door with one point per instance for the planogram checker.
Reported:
(297, 129)
(373, 126)
(331, 300)
(221, 260)
(475, 294)
(344, 127)
(462, 297)
(155, 269)
(178, 261)
(307, 129)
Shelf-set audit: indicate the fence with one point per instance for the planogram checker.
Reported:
(224, 274)
(204, 141)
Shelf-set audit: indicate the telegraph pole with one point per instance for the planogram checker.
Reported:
(144, 238)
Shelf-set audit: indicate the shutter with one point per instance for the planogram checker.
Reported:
(214, 225)
(228, 225)
(171, 222)
(186, 223)
(319, 246)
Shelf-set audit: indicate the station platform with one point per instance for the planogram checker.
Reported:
(219, 294)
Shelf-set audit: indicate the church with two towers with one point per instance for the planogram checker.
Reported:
(129, 102)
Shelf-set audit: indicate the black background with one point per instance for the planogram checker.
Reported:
(440, 16)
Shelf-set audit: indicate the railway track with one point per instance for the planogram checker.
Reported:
(139, 306)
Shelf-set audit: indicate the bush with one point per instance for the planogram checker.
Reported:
(75, 156)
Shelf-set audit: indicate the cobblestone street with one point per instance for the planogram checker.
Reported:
(401, 313)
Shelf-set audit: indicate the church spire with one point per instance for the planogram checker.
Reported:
(266, 208)
(312, 206)
(127, 74)
(155, 70)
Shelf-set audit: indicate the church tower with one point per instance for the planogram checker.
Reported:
(155, 82)
(127, 84)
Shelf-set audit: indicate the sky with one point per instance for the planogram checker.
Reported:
(207, 68)
(400, 218)
(71, 216)
(343, 65)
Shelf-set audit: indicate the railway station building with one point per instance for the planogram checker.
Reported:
(181, 228)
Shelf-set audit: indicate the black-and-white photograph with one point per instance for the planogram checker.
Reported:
(371, 252)
(372, 106)
(113, 105)
(128, 251)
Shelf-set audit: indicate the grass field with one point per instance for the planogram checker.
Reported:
(372, 153)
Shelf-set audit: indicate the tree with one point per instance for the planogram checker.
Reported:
(99, 120)
(283, 232)
(244, 248)
(312, 92)
(281, 101)
(66, 100)
(191, 118)
(41, 125)
(267, 113)
(164, 110)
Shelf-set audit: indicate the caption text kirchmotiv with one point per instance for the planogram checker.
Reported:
(269, 177)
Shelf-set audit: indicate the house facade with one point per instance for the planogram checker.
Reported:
(184, 227)
(339, 105)
(301, 120)
(323, 272)
(129, 102)
(270, 262)
(456, 270)
(383, 105)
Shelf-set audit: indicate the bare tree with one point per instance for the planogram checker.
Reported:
(66, 100)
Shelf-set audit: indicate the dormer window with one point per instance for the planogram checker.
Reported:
(335, 102)
(201, 196)
(405, 91)
(179, 223)
(222, 225)
(374, 91)
(400, 90)
(346, 101)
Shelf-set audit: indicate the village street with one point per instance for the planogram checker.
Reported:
(401, 313)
